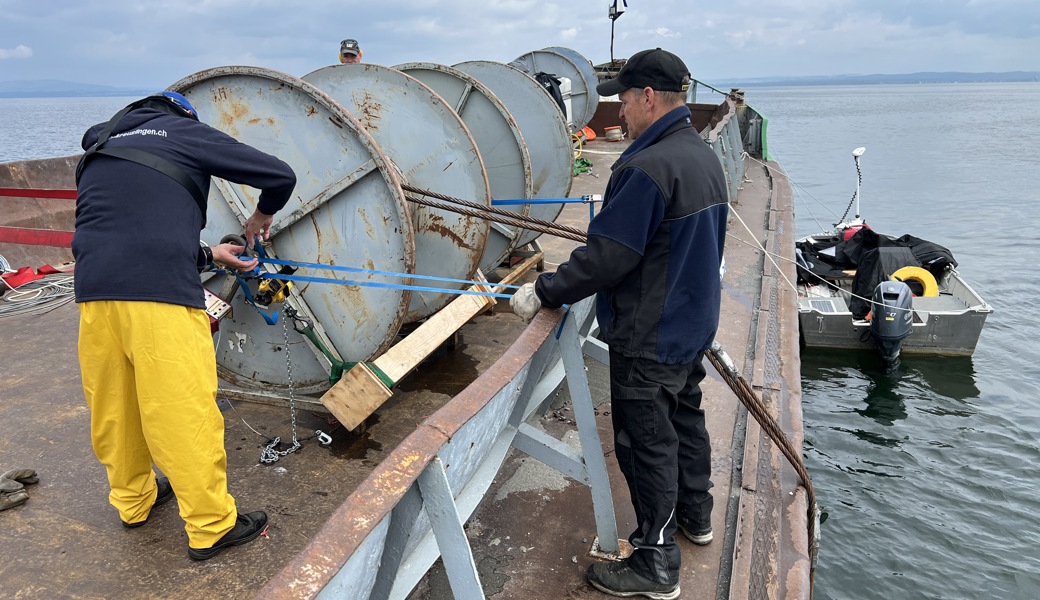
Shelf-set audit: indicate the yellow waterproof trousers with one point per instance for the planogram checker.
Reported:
(150, 379)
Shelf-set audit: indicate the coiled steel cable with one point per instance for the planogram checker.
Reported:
(37, 297)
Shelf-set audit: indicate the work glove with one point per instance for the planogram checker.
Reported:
(525, 302)
(12, 487)
(24, 476)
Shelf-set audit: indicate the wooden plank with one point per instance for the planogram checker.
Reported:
(520, 270)
(360, 392)
(356, 396)
(409, 352)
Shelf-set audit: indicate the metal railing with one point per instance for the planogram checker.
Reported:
(411, 509)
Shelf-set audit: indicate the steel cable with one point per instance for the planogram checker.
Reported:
(515, 220)
(526, 221)
(37, 297)
(757, 408)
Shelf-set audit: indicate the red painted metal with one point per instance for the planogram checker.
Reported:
(36, 237)
(38, 193)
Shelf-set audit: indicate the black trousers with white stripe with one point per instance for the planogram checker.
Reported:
(663, 450)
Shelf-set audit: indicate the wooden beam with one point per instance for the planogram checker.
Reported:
(360, 392)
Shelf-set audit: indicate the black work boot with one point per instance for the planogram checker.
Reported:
(618, 579)
(247, 528)
(163, 495)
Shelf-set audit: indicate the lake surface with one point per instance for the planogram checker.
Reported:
(929, 475)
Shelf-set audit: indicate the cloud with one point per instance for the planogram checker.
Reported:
(19, 51)
(129, 46)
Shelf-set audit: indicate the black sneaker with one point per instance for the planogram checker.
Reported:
(247, 528)
(618, 579)
(701, 537)
(162, 496)
(698, 534)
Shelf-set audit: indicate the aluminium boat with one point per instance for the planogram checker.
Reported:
(859, 289)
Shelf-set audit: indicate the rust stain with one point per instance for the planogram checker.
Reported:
(447, 232)
(310, 110)
(370, 111)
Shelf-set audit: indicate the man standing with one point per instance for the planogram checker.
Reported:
(145, 349)
(652, 257)
(349, 52)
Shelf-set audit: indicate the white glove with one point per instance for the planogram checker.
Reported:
(525, 302)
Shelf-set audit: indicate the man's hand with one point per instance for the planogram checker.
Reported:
(525, 302)
(228, 255)
(258, 225)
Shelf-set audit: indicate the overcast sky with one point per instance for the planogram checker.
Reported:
(153, 44)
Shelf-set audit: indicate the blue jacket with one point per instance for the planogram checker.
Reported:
(137, 230)
(653, 252)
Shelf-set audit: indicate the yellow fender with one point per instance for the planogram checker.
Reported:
(921, 276)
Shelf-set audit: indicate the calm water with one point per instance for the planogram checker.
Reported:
(48, 127)
(928, 475)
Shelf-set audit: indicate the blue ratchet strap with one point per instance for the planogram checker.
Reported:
(392, 286)
(379, 284)
(567, 313)
(271, 318)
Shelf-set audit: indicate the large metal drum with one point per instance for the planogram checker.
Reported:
(543, 128)
(431, 148)
(347, 209)
(499, 140)
(564, 62)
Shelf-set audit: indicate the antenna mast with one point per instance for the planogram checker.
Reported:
(614, 12)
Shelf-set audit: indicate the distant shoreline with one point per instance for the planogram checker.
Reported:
(70, 89)
(877, 79)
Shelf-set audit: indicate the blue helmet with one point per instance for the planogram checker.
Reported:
(182, 102)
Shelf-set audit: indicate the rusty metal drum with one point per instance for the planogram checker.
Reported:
(544, 131)
(499, 139)
(431, 148)
(564, 62)
(347, 209)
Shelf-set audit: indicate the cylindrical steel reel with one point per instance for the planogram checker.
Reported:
(432, 149)
(347, 209)
(508, 164)
(543, 128)
(564, 62)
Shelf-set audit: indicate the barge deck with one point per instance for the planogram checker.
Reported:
(530, 535)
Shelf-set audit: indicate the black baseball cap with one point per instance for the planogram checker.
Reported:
(656, 69)
(349, 46)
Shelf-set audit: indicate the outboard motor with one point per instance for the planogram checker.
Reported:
(892, 317)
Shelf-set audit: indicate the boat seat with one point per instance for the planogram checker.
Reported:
(941, 303)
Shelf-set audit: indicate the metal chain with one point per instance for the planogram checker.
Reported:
(269, 455)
